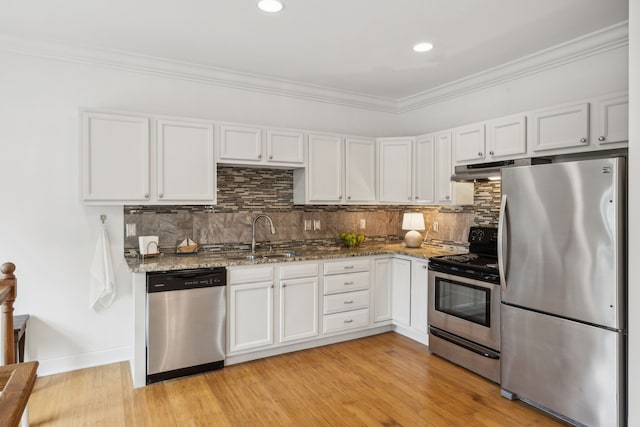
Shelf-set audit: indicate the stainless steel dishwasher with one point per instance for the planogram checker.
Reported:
(186, 312)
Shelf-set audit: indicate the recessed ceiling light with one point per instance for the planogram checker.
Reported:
(270, 5)
(423, 47)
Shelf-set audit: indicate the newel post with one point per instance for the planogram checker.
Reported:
(8, 279)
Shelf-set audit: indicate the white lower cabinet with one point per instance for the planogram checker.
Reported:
(346, 295)
(419, 295)
(250, 316)
(382, 290)
(401, 291)
(298, 302)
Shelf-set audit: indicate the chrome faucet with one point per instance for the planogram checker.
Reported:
(253, 230)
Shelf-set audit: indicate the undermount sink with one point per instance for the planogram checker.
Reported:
(251, 257)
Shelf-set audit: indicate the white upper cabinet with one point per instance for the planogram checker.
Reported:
(115, 157)
(340, 171)
(395, 170)
(612, 121)
(186, 169)
(443, 167)
(240, 143)
(250, 145)
(562, 127)
(469, 143)
(285, 146)
(424, 165)
(360, 170)
(507, 138)
(324, 173)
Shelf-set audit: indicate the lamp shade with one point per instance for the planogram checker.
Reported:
(413, 221)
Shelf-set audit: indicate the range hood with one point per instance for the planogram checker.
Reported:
(491, 171)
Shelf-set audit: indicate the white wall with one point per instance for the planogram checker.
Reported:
(46, 230)
(592, 76)
(634, 212)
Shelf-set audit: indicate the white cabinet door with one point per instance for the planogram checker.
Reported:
(250, 316)
(401, 294)
(360, 170)
(186, 168)
(443, 167)
(382, 287)
(115, 152)
(298, 309)
(507, 137)
(562, 127)
(325, 169)
(469, 144)
(613, 120)
(284, 146)
(395, 170)
(419, 295)
(240, 143)
(425, 169)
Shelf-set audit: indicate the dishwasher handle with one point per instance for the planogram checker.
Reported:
(188, 279)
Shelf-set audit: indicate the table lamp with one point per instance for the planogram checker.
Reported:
(413, 221)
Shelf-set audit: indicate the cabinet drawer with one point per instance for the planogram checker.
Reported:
(345, 321)
(350, 266)
(250, 275)
(346, 283)
(346, 301)
(297, 270)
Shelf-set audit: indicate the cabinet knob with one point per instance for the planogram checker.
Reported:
(160, 196)
(583, 140)
(491, 152)
(424, 267)
(480, 153)
(348, 197)
(339, 197)
(417, 197)
(446, 197)
(146, 195)
(259, 156)
(284, 285)
(271, 157)
(601, 138)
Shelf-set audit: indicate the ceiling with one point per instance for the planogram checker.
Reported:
(358, 46)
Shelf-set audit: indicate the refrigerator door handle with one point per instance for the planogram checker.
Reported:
(502, 270)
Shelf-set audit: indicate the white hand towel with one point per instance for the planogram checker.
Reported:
(103, 286)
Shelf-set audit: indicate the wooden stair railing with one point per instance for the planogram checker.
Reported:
(16, 379)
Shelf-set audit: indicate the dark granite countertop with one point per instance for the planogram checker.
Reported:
(167, 262)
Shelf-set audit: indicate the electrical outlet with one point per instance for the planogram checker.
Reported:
(436, 226)
(307, 225)
(130, 230)
(363, 223)
(316, 225)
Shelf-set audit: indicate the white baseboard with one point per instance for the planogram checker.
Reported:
(84, 360)
(410, 333)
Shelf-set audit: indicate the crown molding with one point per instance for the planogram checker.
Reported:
(613, 37)
(199, 73)
(609, 38)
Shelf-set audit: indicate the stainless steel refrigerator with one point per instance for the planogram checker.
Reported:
(561, 252)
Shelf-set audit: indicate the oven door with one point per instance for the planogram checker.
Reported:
(465, 307)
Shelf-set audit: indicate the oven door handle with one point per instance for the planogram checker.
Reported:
(502, 234)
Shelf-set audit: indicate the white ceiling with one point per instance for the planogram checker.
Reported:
(359, 46)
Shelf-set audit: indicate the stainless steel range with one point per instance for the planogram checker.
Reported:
(464, 305)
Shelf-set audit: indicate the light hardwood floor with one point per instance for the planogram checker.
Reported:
(384, 380)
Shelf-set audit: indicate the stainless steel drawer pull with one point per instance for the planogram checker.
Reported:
(348, 283)
(348, 321)
(348, 267)
(349, 302)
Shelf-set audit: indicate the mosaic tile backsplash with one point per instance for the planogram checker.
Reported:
(245, 192)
